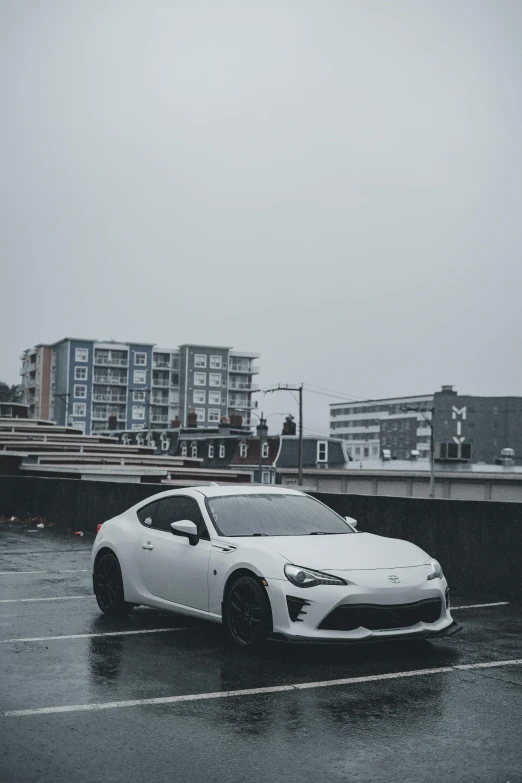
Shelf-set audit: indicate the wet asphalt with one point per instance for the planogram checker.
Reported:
(457, 725)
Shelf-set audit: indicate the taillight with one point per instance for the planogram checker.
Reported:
(98, 528)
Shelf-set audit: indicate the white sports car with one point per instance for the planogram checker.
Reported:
(267, 562)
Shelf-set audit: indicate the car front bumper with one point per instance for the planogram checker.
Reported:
(296, 621)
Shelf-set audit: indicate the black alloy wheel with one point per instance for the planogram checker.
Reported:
(108, 586)
(248, 617)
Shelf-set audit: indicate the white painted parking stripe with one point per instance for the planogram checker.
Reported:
(65, 571)
(480, 606)
(28, 600)
(92, 635)
(110, 705)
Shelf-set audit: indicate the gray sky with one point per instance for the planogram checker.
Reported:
(335, 184)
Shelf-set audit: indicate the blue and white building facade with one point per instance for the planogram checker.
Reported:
(143, 385)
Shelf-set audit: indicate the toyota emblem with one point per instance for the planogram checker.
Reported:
(393, 578)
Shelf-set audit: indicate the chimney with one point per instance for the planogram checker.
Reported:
(175, 423)
(236, 420)
(289, 425)
(192, 419)
(448, 390)
(262, 429)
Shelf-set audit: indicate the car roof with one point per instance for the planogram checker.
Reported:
(214, 490)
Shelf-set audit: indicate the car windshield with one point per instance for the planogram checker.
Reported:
(274, 515)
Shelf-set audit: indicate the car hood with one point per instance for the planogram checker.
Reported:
(347, 552)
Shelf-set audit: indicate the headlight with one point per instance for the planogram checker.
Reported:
(305, 577)
(435, 571)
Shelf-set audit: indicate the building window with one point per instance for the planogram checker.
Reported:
(140, 359)
(193, 450)
(243, 450)
(80, 391)
(200, 360)
(214, 398)
(183, 449)
(213, 415)
(139, 376)
(322, 451)
(200, 379)
(357, 451)
(80, 373)
(265, 477)
(222, 451)
(138, 396)
(210, 450)
(366, 451)
(215, 362)
(200, 412)
(79, 409)
(215, 379)
(200, 396)
(264, 450)
(165, 443)
(82, 354)
(138, 412)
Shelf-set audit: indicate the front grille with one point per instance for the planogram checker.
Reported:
(295, 607)
(381, 618)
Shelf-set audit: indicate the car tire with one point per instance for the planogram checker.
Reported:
(247, 613)
(108, 586)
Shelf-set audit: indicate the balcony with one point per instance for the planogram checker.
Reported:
(161, 364)
(158, 400)
(109, 397)
(111, 379)
(241, 405)
(239, 386)
(109, 361)
(162, 382)
(250, 369)
(104, 416)
(157, 419)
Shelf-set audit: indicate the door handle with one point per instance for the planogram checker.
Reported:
(148, 545)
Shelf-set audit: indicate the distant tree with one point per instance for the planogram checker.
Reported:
(10, 393)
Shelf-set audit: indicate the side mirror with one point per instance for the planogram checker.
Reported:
(351, 521)
(185, 528)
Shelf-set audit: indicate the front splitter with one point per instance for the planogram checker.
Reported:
(451, 630)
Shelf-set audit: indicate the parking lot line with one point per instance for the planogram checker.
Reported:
(65, 571)
(92, 635)
(480, 606)
(256, 691)
(29, 600)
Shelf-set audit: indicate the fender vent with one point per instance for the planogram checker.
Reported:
(295, 608)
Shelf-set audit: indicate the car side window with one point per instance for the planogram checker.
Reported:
(176, 508)
(147, 514)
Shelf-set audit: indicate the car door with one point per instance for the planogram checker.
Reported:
(152, 566)
(180, 569)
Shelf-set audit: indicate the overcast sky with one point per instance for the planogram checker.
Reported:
(335, 184)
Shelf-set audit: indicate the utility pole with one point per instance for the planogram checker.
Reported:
(261, 421)
(299, 389)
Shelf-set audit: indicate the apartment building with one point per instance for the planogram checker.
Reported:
(100, 385)
(35, 375)
(370, 427)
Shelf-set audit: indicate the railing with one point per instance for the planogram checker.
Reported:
(159, 419)
(109, 398)
(108, 379)
(161, 364)
(161, 382)
(109, 361)
(238, 386)
(174, 364)
(251, 369)
(237, 405)
(160, 400)
(100, 416)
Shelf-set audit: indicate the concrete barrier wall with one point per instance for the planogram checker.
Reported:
(479, 543)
